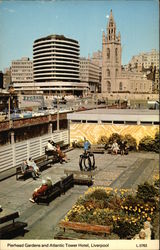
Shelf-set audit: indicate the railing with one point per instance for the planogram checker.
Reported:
(14, 154)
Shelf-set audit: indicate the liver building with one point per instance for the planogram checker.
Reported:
(114, 78)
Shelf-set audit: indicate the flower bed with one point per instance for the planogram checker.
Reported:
(122, 210)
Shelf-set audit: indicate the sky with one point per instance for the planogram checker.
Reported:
(22, 22)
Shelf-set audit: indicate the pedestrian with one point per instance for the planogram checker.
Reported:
(86, 145)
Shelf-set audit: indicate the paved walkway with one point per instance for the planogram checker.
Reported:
(116, 171)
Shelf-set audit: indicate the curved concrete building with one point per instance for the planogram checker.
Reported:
(56, 58)
(56, 67)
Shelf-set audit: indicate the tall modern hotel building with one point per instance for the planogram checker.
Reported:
(56, 66)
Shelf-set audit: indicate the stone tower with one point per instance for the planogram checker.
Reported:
(111, 57)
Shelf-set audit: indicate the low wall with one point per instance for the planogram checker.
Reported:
(14, 154)
(128, 96)
(32, 121)
(94, 131)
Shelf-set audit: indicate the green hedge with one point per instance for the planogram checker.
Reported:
(130, 141)
(148, 143)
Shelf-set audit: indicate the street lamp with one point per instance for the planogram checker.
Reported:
(57, 113)
(11, 92)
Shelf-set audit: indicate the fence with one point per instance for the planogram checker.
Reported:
(14, 154)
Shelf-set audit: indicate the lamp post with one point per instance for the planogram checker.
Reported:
(135, 91)
(11, 92)
(57, 113)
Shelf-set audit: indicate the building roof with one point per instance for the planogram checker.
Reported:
(112, 115)
(57, 37)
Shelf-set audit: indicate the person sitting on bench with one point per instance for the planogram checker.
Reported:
(24, 166)
(26, 169)
(122, 147)
(51, 146)
(115, 147)
(39, 191)
(62, 155)
(49, 181)
(32, 164)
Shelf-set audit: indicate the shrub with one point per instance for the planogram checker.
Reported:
(103, 140)
(78, 144)
(123, 211)
(156, 144)
(98, 194)
(146, 143)
(146, 192)
(157, 183)
(131, 142)
(126, 228)
(115, 136)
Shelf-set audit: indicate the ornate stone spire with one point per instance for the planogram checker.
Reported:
(111, 29)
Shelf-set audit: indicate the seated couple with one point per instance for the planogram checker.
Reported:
(53, 147)
(30, 166)
(122, 147)
(46, 184)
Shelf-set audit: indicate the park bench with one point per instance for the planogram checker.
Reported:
(41, 161)
(51, 193)
(13, 229)
(20, 174)
(86, 228)
(56, 190)
(67, 183)
(109, 151)
(81, 177)
(53, 154)
(97, 149)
